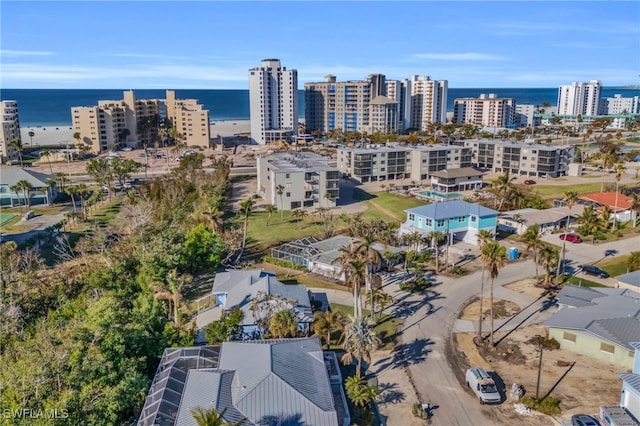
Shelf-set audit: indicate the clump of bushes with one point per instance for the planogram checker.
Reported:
(549, 406)
(545, 342)
(415, 285)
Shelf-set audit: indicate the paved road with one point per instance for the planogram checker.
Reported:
(430, 321)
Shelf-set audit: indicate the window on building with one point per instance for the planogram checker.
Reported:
(428, 222)
(287, 176)
(570, 337)
(462, 219)
(606, 347)
(440, 223)
(288, 194)
(474, 219)
(412, 216)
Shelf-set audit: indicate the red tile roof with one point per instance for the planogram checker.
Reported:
(609, 199)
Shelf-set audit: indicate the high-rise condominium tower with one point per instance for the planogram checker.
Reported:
(273, 101)
(10, 130)
(580, 98)
(428, 101)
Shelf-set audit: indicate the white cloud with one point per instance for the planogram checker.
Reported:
(469, 56)
(5, 52)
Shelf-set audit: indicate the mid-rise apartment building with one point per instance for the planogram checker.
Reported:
(114, 123)
(428, 101)
(521, 158)
(10, 131)
(189, 118)
(580, 98)
(273, 102)
(620, 105)
(488, 111)
(292, 180)
(525, 115)
(374, 163)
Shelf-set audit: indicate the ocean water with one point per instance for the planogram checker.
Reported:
(52, 107)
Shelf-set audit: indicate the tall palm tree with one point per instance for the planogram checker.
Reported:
(549, 258)
(17, 145)
(25, 187)
(61, 180)
(355, 271)
(590, 222)
(570, 197)
(325, 323)
(280, 191)
(16, 189)
(494, 257)
(435, 237)
(47, 154)
(533, 241)
(72, 190)
(210, 417)
(246, 208)
(484, 237)
(635, 208)
(378, 300)
(619, 170)
(270, 209)
(283, 324)
(502, 188)
(360, 342)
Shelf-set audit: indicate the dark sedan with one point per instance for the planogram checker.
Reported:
(595, 271)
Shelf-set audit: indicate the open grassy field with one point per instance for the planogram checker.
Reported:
(384, 205)
(550, 192)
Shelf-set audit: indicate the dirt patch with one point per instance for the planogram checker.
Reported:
(587, 385)
(501, 309)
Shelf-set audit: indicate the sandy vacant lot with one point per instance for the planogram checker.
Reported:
(588, 384)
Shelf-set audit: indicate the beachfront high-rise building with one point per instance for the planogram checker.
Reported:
(114, 123)
(400, 91)
(10, 131)
(189, 118)
(487, 110)
(273, 102)
(580, 98)
(428, 101)
(345, 105)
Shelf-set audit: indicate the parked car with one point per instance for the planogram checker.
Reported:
(29, 215)
(572, 238)
(127, 185)
(583, 420)
(479, 381)
(126, 149)
(595, 271)
(529, 182)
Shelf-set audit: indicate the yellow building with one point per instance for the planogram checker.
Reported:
(190, 118)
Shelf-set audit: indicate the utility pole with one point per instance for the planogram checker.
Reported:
(539, 371)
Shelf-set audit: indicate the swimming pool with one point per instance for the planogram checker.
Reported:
(441, 195)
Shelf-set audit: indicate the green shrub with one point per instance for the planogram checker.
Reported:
(599, 236)
(549, 405)
(546, 343)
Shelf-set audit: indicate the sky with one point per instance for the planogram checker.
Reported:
(212, 44)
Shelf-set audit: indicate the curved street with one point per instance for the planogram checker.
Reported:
(429, 322)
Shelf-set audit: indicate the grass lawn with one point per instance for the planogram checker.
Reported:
(549, 192)
(615, 266)
(291, 276)
(385, 205)
(583, 282)
(386, 327)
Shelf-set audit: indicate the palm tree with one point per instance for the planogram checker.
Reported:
(283, 324)
(378, 300)
(246, 208)
(359, 392)
(570, 197)
(435, 237)
(50, 183)
(325, 323)
(360, 341)
(484, 237)
(635, 207)
(619, 169)
(493, 256)
(502, 188)
(61, 180)
(210, 417)
(17, 145)
(172, 293)
(47, 154)
(270, 209)
(549, 258)
(72, 190)
(355, 271)
(533, 241)
(590, 222)
(16, 189)
(280, 191)
(25, 187)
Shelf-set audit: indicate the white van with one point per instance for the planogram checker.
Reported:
(483, 385)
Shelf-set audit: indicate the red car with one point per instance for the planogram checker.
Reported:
(572, 238)
(529, 182)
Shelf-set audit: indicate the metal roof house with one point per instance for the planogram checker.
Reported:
(40, 192)
(598, 323)
(630, 280)
(241, 288)
(458, 220)
(518, 221)
(266, 382)
(630, 395)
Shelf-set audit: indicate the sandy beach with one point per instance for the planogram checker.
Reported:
(60, 135)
